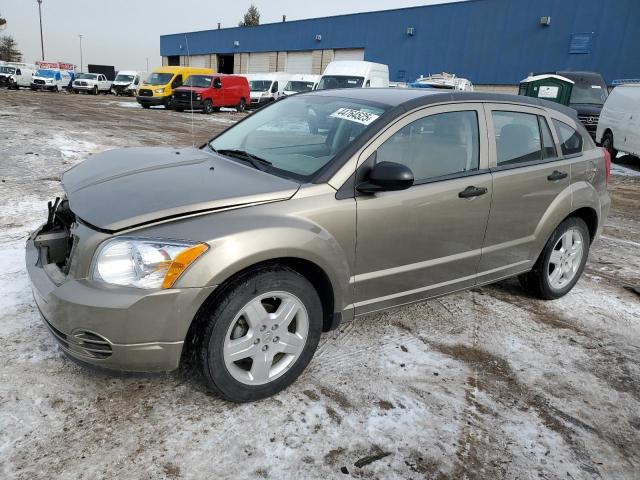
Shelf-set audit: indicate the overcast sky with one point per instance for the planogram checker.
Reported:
(125, 33)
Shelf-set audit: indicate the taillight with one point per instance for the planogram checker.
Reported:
(607, 164)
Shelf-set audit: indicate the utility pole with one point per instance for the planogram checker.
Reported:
(147, 64)
(81, 65)
(41, 38)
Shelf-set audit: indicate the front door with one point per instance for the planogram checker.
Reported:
(426, 240)
(530, 180)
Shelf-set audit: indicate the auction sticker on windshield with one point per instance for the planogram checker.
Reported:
(358, 116)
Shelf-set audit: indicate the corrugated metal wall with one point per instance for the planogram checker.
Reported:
(487, 41)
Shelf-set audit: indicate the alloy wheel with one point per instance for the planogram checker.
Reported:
(265, 338)
(565, 259)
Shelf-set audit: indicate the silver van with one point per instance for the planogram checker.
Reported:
(317, 209)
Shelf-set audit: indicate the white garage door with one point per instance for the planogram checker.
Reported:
(258, 63)
(199, 61)
(348, 54)
(299, 62)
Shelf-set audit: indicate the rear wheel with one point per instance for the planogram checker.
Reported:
(561, 262)
(261, 335)
(144, 105)
(242, 105)
(607, 143)
(207, 107)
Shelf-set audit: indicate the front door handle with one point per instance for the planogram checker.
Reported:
(472, 191)
(557, 175)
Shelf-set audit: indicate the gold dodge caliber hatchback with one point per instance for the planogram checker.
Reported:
(317, 209)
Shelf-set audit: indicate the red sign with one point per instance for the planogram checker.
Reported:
(59, 65)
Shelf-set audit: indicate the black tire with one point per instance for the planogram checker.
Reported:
(216, 320)
(216, 109)
(536, 282)
(144, 105)
(76, 91)
(177, 109)
(242, 105)
(207, 107)
(607, 143)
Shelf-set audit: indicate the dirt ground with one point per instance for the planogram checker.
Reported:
(488, 383)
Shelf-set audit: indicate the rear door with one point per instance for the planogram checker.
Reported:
(426, 240)
(530, 180)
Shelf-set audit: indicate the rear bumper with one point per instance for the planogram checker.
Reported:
(153, 101)
(117, 328)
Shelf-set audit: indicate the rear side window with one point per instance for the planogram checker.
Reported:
(435, 146)
(570, 139)
(517, 137)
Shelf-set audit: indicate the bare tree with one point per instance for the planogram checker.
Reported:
(9, 49)
(3, 22)
(251, 18)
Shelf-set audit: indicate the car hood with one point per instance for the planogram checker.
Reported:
(586, 108)
(129, 187)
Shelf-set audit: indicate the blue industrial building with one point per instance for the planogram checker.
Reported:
(490, 42)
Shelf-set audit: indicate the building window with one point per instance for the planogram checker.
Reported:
(173, 60)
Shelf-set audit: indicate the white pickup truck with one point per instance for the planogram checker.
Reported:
(91, 83)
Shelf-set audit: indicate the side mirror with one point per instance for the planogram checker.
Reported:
(387, 177)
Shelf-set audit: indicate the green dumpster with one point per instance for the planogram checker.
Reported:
(547, 86)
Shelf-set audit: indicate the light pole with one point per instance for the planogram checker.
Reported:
(81, 65)
(41, 38)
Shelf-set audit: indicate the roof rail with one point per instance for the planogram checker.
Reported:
(626, 81)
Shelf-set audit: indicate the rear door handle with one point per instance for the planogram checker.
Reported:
(557, 175)
(471, 192)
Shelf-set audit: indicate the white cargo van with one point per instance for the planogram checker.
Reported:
(52, 79)
(15, 76)
(127, 82)
(354, 74)
(266, 87)
(619, 123)
(301, 82)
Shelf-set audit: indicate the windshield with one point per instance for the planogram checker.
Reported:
(299, 135)
(591, 92)
(9, 70)
(159, 78)
(124, 78)
(201, 81)
(329, 82)
(45, 73)
(259, 85)
(299, 86)
(87, 76)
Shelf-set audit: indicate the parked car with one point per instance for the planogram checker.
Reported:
(52, 79)
(588, 95)
(266, 87)
(127, 82)
(300, 83)
(619, 123)
(210, 92)
(354, 74)
(242, 252)
(93, 83)
(12, 76)
(158, 88)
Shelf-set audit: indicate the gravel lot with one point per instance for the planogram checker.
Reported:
(482, 384)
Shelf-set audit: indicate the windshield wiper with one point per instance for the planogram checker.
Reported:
(257, 162)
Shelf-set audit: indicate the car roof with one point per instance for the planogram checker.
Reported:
(411, 98)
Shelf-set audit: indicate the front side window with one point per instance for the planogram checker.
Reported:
(435, 146)
(176, 81)
(570, 139)
(298, 136)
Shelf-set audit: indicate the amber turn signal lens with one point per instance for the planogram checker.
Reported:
(181, 262)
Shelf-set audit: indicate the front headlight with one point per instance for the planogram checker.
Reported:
(159, 90)
(144, 263)
(198, 97)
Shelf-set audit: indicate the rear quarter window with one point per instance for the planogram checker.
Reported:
(571, 141)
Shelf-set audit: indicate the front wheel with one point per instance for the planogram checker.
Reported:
(207, 107)
(561, 262)
(95, 90)
(607, 143)
(261, 335)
